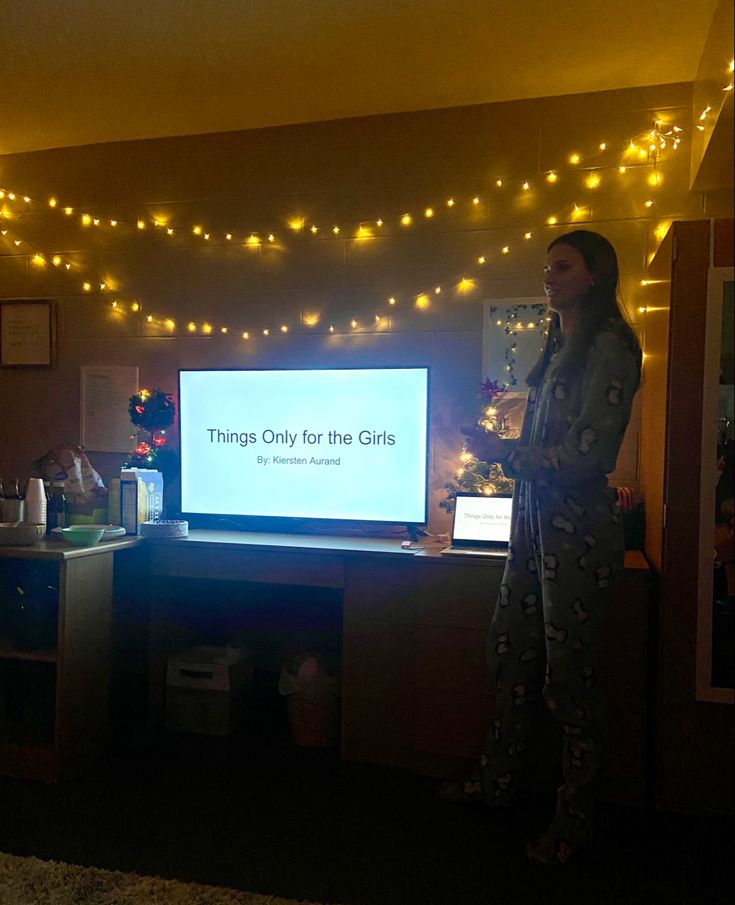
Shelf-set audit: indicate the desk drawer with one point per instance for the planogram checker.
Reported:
(189, 561)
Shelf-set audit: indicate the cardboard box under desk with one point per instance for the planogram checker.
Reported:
(208, 689)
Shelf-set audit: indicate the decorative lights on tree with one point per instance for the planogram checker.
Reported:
(151, 412)
(473, 475)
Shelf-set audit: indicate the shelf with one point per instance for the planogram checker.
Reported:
(9, 649)
(26, 733)
(9, 652)
(28, 761)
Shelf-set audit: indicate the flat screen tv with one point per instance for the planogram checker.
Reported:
(291, 449)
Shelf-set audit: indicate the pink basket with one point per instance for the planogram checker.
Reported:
(314, 724)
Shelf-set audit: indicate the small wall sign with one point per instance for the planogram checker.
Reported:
(27, 333)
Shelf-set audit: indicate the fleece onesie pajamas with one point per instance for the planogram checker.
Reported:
(566, 550)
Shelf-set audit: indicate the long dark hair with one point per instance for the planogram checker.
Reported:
(598, 308)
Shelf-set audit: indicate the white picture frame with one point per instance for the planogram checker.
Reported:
(105, 396)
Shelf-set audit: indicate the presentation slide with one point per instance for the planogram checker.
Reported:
(482, 518)
(322, 444)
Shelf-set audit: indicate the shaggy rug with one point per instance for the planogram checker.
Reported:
(30, 881)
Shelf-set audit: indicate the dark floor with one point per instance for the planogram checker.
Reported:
(256, 813)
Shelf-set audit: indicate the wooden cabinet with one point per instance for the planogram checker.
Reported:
(415, 688)
(678, 466)
(55, 610)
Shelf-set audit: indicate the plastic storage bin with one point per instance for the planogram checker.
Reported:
(208, 689)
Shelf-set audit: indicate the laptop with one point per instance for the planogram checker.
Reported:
(481, 525)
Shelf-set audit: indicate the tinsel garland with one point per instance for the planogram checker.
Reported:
(153, 410)
(474, 475)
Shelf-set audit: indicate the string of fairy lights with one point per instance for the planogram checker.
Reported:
(708, 110)
(640, 154)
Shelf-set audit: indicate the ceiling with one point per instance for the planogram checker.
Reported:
(107, 70)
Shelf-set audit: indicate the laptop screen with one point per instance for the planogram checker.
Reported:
(482, 520)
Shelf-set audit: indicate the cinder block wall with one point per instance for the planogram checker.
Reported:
(347, 173)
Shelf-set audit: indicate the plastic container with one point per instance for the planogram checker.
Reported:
(313, 698)
(208, 689)
(57, 506)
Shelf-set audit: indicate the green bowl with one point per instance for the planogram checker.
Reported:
(82, 535)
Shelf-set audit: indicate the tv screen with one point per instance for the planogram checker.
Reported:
(344, 444)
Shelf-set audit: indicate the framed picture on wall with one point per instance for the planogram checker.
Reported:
(27, 333)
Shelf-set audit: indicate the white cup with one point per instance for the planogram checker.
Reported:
(35, 508)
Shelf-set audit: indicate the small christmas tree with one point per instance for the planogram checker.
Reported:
(151, 412)
(473, 475)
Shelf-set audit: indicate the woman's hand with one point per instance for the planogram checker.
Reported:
(484, 445)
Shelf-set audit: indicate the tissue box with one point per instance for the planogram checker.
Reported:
(208, 689)
(141, 497)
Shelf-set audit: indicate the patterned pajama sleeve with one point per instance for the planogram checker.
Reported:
(591, 445)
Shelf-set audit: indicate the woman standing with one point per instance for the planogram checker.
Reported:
(567, 545)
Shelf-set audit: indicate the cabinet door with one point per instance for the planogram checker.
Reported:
(84, 660)
(696, 737)
(29, 611)
(716, 586)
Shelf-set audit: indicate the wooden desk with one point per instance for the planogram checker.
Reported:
(415, 688)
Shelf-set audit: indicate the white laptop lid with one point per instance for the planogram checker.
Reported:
(481, 521)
